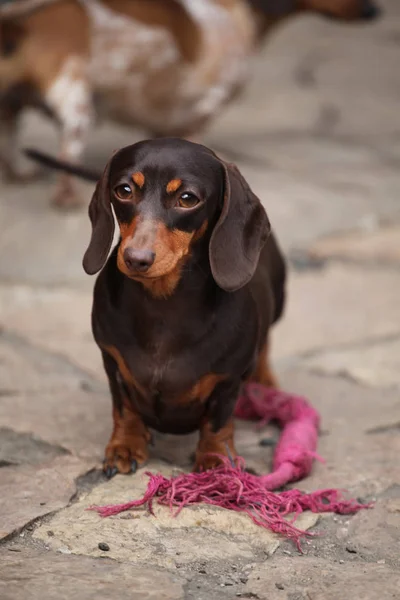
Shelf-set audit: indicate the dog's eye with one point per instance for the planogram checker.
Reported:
(187, 200)
(123, 192)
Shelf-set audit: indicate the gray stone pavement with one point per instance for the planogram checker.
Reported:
(318, 136)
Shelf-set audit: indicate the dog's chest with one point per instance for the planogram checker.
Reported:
(140, 75)
(163, 369)
(169, 390)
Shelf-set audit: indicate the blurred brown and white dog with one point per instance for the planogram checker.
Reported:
(167, 66)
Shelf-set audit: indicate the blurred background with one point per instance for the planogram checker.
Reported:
(317, 134)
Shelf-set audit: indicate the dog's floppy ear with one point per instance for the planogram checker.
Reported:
(101, 217)
(239, 235)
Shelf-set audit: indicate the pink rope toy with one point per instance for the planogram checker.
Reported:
(229, 486)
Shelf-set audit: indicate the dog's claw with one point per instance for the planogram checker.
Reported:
(110, 472)
(267, 442)
(134, 466)
(251, 471)
(230, 457)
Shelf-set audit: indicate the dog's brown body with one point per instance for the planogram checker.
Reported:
(165, 65)
(183, 306)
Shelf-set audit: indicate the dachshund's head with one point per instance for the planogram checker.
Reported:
(175, 202)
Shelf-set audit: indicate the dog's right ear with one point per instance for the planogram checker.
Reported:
(102, 219)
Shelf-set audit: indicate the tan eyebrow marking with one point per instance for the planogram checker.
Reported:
(173, 185)
(138, 178)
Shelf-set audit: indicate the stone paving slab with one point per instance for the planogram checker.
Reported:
(303, 208)
(374, 364)
(54, 319)
(199, 534)
(379, 246)
(24, 368)
(78, 421)
(29, 492)
(45, 395)
(303, 579)
(29, 218)
(39, 574)
(338, 306)
(340, 79)
(376, 536)
(359, 440)
(24, 448)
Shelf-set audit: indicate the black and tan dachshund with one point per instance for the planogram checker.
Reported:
(183, 305)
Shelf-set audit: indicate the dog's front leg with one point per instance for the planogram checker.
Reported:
(128, 444)
(217, 429)
(9, 155)
(263, 372)
(70, 98)
(8, 143)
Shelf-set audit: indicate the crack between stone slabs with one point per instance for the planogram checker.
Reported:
(93, 475)
(335, 553)
(369, 142)
(7, 463)
(354, 345)
(243, 158)
(347, 377)
(28, 528)
(185, 575)
(217, 578)
(19, 341)
(44, 445)
(300, 262)
(297, 361)
(196, 586)
(384, 429)
(83, 484)
(6, 393)
(86, 483)
(326, 547)
(340, 374)
(288, 135)
(40, 546)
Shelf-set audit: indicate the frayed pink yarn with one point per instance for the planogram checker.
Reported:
(229, 486)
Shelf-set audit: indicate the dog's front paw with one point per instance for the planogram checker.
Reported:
(205, 461)
(124, 457)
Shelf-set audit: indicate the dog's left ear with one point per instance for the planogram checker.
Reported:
(102, 220)
(239, 235)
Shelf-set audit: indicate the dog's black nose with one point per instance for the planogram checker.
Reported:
(370, 10)
(138, 260)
